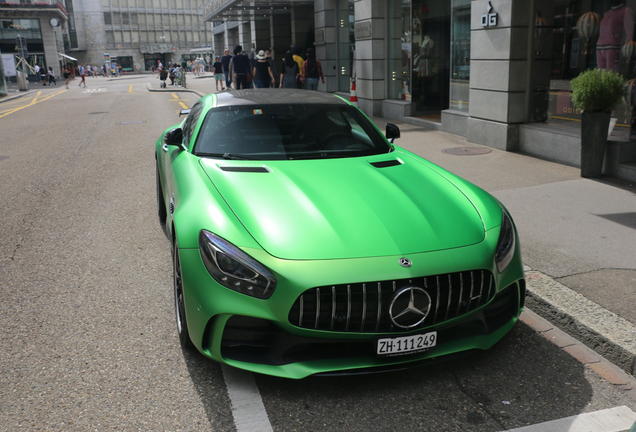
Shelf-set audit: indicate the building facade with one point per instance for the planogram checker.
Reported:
(32, 33)
(137, 33)
(497, 72)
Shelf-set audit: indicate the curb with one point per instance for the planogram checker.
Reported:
(17, 96)
(173, 90)
(602, 330)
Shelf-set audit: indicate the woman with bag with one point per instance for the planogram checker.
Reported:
(312, 71)
(289, 74)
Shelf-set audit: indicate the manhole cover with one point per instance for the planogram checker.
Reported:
(467, 151)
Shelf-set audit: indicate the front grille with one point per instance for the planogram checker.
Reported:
(364, 307)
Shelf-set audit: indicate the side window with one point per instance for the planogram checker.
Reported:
(191, 123)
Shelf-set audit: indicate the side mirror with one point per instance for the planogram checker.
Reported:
(174, 137)
(184, 112)
(392, 132)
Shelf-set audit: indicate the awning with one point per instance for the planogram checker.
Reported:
(68, 57)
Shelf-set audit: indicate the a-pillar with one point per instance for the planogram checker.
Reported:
(498, 72)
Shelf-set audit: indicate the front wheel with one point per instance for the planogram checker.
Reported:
(179, 300)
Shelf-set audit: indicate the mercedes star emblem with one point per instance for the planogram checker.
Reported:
(405, 262)
(409, 307)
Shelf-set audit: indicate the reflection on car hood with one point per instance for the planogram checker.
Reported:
(346, 208)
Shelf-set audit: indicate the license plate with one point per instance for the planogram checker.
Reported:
(406, 344)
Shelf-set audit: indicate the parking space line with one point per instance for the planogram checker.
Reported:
(616, 419)
(247, 406)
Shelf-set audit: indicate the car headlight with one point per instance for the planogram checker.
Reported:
(233, 268)
(506, 244)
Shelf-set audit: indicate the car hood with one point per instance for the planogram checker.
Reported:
(346, 208)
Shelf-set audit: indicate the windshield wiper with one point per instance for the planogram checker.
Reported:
(227, 156)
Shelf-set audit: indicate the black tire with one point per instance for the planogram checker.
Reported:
(161, 203)
(179, 301)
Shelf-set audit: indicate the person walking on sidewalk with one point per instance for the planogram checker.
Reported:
(66, 74)
(82, 73)
(51, 75)
(217, 69)
(225, 61)
(241, 69)
(312, 71)
(263, 75)
(289, 75)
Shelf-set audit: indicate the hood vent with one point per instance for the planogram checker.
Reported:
(386, 164)
(245, 169)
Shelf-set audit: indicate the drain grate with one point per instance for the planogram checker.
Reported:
(467, 151)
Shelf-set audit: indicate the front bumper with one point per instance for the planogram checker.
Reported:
(257, 335)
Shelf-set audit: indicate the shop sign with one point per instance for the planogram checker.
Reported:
(363, 30)
(490, 18)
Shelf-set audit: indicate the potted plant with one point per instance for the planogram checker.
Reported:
(596, 92)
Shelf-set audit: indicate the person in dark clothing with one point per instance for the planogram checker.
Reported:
(263, 75)
(217, 68)
(241, 69)
(312, 71)
(289, 75)
(225, 61)
(272, 64)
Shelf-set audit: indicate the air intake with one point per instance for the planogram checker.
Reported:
(245, 169)
(386, 164)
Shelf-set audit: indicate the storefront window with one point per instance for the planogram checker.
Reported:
(460, 43)
(571, 37)
(430, 50)
(399, 40)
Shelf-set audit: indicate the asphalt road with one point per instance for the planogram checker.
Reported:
(88, 337)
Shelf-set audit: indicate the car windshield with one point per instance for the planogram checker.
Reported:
(287, 132)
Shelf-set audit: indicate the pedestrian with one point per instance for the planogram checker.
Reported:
(225, 61)
(43, 75)
(51, 75)
(66, 75)
(217, 68)
(272, 63)
(88, 70)
(36, 68)
(298, 59)
(82, 72)
(173, 74)
(263, 75)
(312, 71)
(289, 74)
(240, 67)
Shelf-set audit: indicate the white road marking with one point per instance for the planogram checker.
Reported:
(247, 406)
(95, 90)
(617, 419)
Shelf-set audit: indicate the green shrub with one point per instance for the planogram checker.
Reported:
(597, 90)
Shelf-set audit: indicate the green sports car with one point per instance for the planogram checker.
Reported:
(305, 242)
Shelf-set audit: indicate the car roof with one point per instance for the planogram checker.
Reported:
(275, 96)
